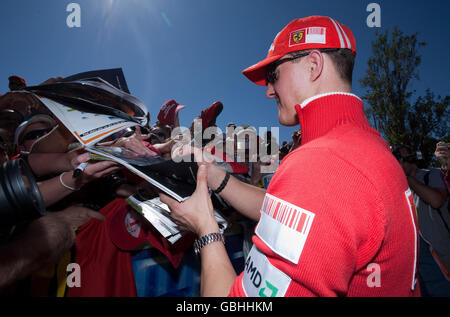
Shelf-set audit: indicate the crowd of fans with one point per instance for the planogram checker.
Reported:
(29, 131)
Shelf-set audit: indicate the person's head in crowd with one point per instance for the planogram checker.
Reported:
(296, 139)
(16, 83)
(406, 157)
(159, 133)
(246, 144)
(231, 127)
(229, 131)
(302, 64)
(284, 149)
(29, 131)
(404, 153)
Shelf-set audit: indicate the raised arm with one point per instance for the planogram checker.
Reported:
(196, 214)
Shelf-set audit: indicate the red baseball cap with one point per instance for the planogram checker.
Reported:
(210, 114)
(314, 32)
(168, 112)
(129, 230)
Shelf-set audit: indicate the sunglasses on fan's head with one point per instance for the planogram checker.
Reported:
(36, 134)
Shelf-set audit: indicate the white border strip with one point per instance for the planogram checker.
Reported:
(307, 101)
(408, 193)
(349, 44)
(339, 33)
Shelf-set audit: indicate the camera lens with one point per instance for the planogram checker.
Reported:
(20, 198)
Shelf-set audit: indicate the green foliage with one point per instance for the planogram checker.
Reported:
(392, 67)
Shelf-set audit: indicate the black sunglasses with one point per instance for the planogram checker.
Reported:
(271, 74)
(412, 158)
(36, 134)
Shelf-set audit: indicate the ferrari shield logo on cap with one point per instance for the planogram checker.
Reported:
(297, 37)
(132, 225)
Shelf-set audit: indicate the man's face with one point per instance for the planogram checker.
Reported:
(406, 156)
(289, 90)
(159, 135)
(407, 166)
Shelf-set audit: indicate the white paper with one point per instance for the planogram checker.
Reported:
(88, 128)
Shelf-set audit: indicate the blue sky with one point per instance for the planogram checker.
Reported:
(194, 51)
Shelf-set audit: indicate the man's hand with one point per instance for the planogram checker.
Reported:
(93, 170)
(245, 198)
(75, 157)
(133, 143)
(97, 170)
(76, 216)
(195, 214)
(43, 243)
(53, 236)
(214, 174)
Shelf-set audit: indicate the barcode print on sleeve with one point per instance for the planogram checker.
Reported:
(287, 214)
(284, 227)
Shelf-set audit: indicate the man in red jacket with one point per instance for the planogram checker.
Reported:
(338, 217)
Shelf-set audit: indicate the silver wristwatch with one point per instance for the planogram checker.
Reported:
(207, 239)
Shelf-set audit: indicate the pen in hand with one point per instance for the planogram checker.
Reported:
(80, 168)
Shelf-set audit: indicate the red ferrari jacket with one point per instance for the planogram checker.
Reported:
(338, 217)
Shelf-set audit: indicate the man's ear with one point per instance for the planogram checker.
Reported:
(316, 63)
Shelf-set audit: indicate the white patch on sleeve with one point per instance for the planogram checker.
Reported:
(284, 227)
(261, 278)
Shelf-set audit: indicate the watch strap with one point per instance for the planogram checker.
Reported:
(207, 239)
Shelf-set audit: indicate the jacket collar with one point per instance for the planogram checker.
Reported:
(319, 114)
